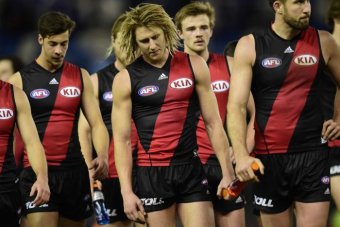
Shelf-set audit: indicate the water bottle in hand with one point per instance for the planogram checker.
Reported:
(236, 186)
(99, 206)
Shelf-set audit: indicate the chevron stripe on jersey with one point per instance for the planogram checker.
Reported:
(55, 110)
(7, 122)
(288, 116)
(220, 78)
(164, 111)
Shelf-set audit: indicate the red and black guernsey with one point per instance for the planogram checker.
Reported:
(7, 123)
(105, 80)
(165, 111)
(55, 100)
(220, 79)
(285, 89)
(327, 94)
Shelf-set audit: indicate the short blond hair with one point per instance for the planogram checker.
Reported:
(147, 15)
(194, 9)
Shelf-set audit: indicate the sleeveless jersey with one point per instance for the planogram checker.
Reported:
(220, 78)
(7, 123)
(164, 109)
(55, 100)
(327, 95)
(105, 80)
(285, 78)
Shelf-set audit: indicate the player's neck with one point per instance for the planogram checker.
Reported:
(284, 30)
(42, 61)
(336, 33)
(159, 63)
(119, 65)
(204, 54)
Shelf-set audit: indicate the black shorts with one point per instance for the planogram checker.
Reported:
(160, 187)
(334, 161)
(113, 200)
(10, 206)
(214, 176)
(301, 177)
(70, 193)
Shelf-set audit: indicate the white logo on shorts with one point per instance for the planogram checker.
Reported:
(327, 192)
(152, 201)
(263, 201)
(335, 169)
(31, 205)
(111, 213)
(239, 200)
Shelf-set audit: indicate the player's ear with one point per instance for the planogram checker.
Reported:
(278, 7)
(40, 39)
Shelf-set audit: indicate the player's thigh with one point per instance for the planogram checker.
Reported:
(38, 219)
(164, 218)
(335, 190)
(281, 219)
(235, 218)
(312, 214)
(196, 214)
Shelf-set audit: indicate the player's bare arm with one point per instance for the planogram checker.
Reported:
(100, 136)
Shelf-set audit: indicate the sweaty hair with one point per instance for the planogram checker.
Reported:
(147, 15)
(116, 27)
(54, 23)
(333, 12)
(194, 9)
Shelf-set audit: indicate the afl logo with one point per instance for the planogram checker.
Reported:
(305, 59)
(39, 93)
(107, 96)
(70, 92)
(181, 83)
(220, 86)
(271, 62)
(148, 90)
(6, 113)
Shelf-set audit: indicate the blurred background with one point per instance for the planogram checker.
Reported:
(94, 18)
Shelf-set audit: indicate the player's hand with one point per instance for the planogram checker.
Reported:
(42, 191)
(100, 168)
(243, 169)
(224, 183)
(133, 208)
(330, 130)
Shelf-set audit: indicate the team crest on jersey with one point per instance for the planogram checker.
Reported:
(148, 90)
(271, 62)
(40, 93)
(70, 92)
(181, 83)
(220, 86)
(325, 180)
(107, 96)
(6, 113)
(305, 60)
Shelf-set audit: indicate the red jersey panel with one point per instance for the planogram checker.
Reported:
(220, 79)
(284, 86)
(55, 100)
(7, 122)
(164, 109)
